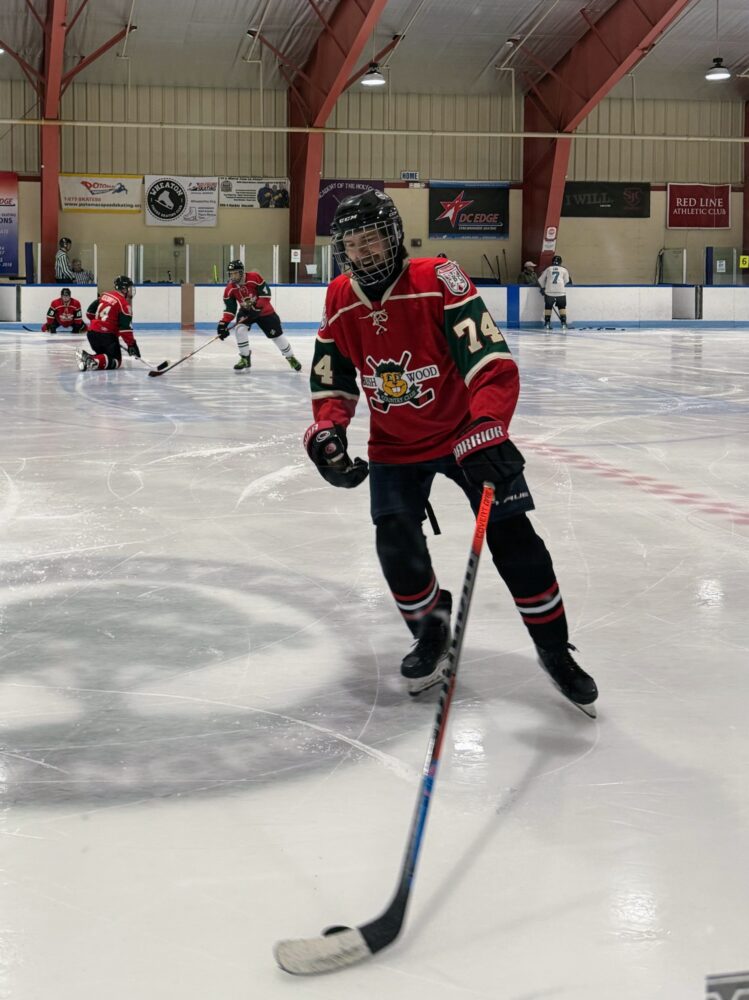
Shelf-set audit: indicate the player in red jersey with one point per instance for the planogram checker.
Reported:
(65, 311)
(441, 387)
(113, 319)
(247, 300)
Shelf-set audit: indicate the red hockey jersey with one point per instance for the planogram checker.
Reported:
(253, 293)
(429, 355)
(113, 315)
(64, 315)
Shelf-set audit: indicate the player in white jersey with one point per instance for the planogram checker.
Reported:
(553, 281)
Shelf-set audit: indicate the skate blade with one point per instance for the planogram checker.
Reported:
(589, 710)
(418, 685)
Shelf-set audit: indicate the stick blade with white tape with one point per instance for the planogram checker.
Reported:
(310, 956)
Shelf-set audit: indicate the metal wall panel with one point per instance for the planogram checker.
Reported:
(656, 160)
(439, 157)
(193, 151)
(19, 145)
(164, 150)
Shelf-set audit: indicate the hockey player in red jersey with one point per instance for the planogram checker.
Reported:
(113, 319)
(65, 311)
(247, 301)
(441, 387)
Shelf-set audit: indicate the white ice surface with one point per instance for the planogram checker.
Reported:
(205, 742)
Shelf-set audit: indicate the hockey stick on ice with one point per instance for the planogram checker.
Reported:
(156, 368)
(156, 371)
(342, 946)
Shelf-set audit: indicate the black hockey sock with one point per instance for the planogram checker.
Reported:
(407, 567)
(525, 565)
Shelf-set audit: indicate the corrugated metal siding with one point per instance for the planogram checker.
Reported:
(163, 150)
(19, 145)
(655, 160)
(383, 157)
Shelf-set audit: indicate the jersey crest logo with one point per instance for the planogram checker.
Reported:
(394, 385)
(379, 319)
(451, 275)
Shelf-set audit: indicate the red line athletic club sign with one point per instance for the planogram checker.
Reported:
(699, 206)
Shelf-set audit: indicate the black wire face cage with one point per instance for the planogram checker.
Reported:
(377, 251)
(236, 274)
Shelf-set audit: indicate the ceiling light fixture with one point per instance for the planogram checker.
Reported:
(717, 71)
(373, 77)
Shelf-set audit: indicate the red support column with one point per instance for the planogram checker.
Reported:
(568, 92)
(328, 69)
(54, 44)
(745, 232)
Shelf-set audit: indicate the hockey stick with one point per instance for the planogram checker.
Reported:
(342, 946)
(160, 371)
(156, 368)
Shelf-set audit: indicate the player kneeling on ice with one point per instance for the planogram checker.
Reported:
(441, 386)
(247, 301)
(64, 312)
(113, 319)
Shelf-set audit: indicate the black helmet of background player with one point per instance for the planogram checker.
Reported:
(556, 260)
(65, 294)
(235, 270)
(124, 286)
(367, 237)
(65, 243)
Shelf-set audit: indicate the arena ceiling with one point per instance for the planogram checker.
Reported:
(447, 46)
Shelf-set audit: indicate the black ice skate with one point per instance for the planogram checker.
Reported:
(569, 677)
(86, 362)
(426, 664)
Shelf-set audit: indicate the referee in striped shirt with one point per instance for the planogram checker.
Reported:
(63, 270)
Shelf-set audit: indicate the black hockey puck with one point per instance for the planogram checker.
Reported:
(334, 930)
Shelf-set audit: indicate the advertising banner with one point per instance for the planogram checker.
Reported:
(606, 200)
(8, 223)
(698, 206)
(469, 211)
(181, 201)
(253, 192)
(101, 193)
(334, 191)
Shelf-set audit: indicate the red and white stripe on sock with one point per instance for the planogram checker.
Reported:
(541, 608)
(414, 607)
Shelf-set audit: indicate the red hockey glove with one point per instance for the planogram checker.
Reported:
(486, 455)
(325, 443)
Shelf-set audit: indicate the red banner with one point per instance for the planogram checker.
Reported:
(699, 206)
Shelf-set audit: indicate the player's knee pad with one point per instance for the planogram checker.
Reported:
(401, 546)
(513, 542)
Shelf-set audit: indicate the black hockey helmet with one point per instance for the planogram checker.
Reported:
(556, 260)
(373, 218)
(65, 243)
(64, 292)
(124, 285)
(233, 268)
